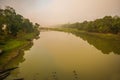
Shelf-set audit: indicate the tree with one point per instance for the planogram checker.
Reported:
(15, 23)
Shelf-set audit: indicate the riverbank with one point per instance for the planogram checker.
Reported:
(76, 31)
(17, 42)
(13, 47)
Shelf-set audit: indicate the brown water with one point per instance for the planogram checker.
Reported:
(64, 56)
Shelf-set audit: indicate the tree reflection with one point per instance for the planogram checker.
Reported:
(105, 45)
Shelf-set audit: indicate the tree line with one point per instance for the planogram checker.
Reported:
(107, 24)
(13, 24)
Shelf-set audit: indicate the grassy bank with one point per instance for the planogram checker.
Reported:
(17, 42)
(99, 35)
(13, 47)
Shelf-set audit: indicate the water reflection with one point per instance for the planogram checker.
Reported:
(8, 61)
(59, 56)
(105, 45)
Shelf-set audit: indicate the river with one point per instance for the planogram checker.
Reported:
(66, 56)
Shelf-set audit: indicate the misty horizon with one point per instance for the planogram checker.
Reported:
(54, 12)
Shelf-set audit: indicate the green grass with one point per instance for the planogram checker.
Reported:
(12, 44)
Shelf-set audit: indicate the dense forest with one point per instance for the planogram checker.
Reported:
(15, 30)
(108, 24)
(12, 24)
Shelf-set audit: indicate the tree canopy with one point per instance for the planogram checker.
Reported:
(108, 24)
(11, 23)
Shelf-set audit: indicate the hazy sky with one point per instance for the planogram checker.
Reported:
(52, 12)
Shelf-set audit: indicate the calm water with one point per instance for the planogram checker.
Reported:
(64, 56)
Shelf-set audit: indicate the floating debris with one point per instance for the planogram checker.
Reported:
(54, 76)
(75, 75)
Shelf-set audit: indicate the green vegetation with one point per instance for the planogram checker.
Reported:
(15, 30)
(12, 44)
(77, 31)
(107, 24)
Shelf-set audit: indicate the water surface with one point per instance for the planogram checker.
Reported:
(64, 56)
